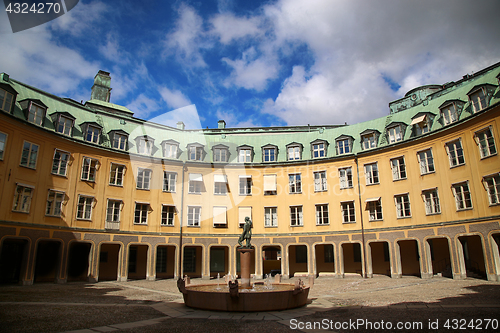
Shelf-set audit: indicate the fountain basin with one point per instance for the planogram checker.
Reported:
(283, 296)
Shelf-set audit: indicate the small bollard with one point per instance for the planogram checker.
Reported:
(311, 281)
(277, 278)
(187, 279)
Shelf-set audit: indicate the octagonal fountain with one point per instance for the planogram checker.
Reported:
(263, 296)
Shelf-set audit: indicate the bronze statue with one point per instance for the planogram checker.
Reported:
(246, 234)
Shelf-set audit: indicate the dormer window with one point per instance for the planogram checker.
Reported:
(34, 110)
(344, 144)
(145, 144)
(369, 139)
(91, 132)
(319, 148)
(63, 122)
(119, 139)
(221, 153)
(195, 152)
(294, 151)
(479, 96)
(421, 123)
(395, 132)
(7, 97)
(245, 154)
(449, 111)
(269, 153)
(170, 148)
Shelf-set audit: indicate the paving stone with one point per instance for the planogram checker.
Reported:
(104, 329)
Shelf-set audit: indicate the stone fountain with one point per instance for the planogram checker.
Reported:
(264, 296)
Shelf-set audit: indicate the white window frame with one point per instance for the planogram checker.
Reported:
(395, 134)
(245, 185)
(84, 207)
(345, 178)
(492, 187)
(170, 150)
(463, 196)
(94, 132)
(66, 123)
(455, 153)
(270, 217)
(116, 174)
(374, 210)
(449, 114)
(398, 169)
(3, 144)
(89, 169)
(245, 156)
(54, 203)
(120, 141)
(369, 141)
(221, 155)
(322, 215)
(141, 212)
(60, 164)
(167, 215)
(194, 216)
(487, 145)
(269, 154)
(220, 188)
(348, 209)
(403, 206)
(143, 181)
(319, 149)
(113, 210)
(371, 174)
(37, 115)
(426, 161)
(294, 153)
(4, 99)
(320, 182)
(23, 195)
(296, 216)
(422, 127)
(169, 181)
(431, 201)
(195, 153)
(145, 146)
(344, 146)
(479, 99)
(30, 148)
(295, 183)
(195, 187)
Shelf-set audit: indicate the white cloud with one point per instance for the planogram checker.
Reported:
(143, 106)
(188, 115)
(173, 98)
(81, 18)
(232, 121)
(228, 27)
(251, 74)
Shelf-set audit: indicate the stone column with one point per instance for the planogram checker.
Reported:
(245, 259)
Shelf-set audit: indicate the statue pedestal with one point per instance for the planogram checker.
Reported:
(245, 260)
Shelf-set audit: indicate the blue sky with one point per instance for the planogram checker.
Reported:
(251, 63)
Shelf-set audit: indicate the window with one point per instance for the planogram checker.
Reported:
(449, 114)
(493, 188)
(29, 155)
(421, 125)
(113, 211)
(344, 146)
(119, 141)
(170, 149)
(194, 214)
(369, 140)
(294, 153)
(270, 186)
(22, 198)
(245, 156)
(320, 183)
(221, 154)
(84, 208)
(195, 153)
(220, 184)
(426, 161)
(455, 153)
(89, 167)
(296, 216)
(348, 212)
(318, 148)
(294, 183)
(371, 174)
(271, 216)
(402, 205)
(345, 177)
(431, 200)
(462, 196)
(375, 209)
(92, 134)
(478, 100)
(60, 162)
(394, 134)
(322, 214)
(245, 185)
(195, 183)
(169, 179)
(145, 145)
(143, 179)
(244, 212)
(6, 99)
(3, 141)
(64, 125)
(54, 203)
(36, 114)
(167, 215)
(398, 168)
(220, 216)
(486, 142)
(116, 174)
(269, 154)
(141, 213)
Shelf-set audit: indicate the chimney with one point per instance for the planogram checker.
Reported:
(180, 125)
(5, 77)
(222, 124)
(101, 90)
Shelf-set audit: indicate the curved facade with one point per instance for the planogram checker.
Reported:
(88, 192)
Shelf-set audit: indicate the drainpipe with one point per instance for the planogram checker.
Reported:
(181, 220)
(361, 215)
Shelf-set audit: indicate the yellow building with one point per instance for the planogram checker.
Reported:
(88, 192)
